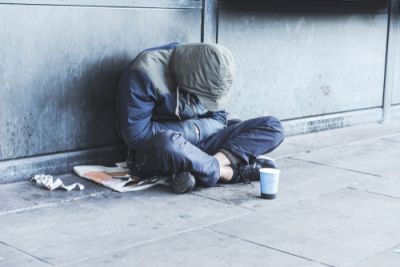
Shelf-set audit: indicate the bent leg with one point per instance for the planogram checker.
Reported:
(168, 153)
(247, 139)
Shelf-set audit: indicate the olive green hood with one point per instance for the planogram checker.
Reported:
(205, 70)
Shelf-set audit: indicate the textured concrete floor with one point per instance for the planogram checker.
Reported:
(338, 205)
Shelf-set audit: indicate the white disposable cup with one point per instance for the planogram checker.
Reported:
(269, 182)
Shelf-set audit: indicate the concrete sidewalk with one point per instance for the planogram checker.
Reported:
(338, 205)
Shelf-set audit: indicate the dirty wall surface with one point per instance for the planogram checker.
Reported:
(61, 61)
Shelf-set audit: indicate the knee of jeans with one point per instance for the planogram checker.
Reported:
(162, 139)
(275, 126)
(272, 122)
(168, 141)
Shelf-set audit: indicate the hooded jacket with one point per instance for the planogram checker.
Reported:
(149, 101)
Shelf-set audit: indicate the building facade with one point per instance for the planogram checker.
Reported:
(316, 65)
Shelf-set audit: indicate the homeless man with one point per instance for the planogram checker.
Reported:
(170, 115)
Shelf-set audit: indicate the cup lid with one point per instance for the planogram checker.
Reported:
(270, 170)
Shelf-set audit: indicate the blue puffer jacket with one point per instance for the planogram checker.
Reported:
(149, 102)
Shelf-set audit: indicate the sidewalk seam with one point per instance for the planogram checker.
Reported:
(314, 149)
(336, 167)
(269, 247)
(390, 141)
(223, 202)
(373, 193)
(26, 253)
(309, 149)
(374, 255)
(149, 241)
(52, 204)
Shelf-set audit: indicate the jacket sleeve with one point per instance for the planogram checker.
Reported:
(136, 101)
(205, 126)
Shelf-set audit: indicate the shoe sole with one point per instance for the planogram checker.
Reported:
(183, 182)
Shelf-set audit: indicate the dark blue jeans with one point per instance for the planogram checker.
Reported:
(168, 152)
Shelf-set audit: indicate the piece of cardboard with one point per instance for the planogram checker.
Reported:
(117, 178)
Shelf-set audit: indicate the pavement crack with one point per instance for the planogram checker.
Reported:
(51, 204)
(390, 141)
(336, 167)
(287, 155)
(374, 193)
(26, 253)
(374, 255)
(156, 239)
(350, 143)
(221, 201)
(272, 248)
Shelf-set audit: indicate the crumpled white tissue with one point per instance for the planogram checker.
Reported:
(48, 182)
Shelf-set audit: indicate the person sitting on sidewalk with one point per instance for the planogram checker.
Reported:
(170, 115)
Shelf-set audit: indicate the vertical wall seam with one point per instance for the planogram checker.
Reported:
(209, 21)
(390, 60)
(216, 23)
(203, 16)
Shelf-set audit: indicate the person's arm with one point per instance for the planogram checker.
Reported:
(197, 130)
(136, 101)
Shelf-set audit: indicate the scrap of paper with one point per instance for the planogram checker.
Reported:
(47, 181)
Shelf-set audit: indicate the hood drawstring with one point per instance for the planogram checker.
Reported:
(177, 103)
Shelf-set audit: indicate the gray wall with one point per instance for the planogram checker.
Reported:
(396, 93)
(316, 66)
(304, 64)
(60, 66)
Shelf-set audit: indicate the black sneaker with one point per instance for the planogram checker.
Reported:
(183, 182)
(247, 172)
